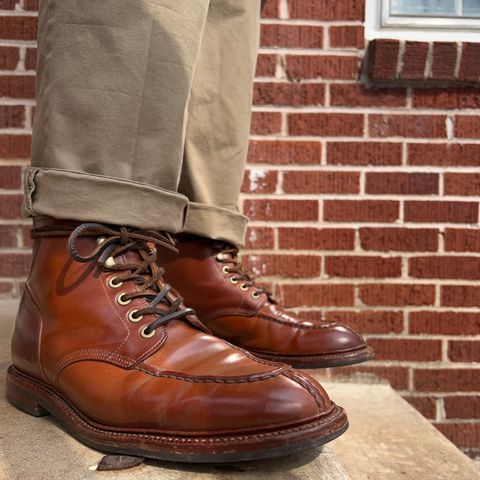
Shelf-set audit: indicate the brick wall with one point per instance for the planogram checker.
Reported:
(364, 202)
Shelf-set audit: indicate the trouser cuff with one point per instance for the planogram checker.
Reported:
(65, 194)
(216, 223)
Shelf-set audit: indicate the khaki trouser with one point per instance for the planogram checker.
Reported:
(143, 113)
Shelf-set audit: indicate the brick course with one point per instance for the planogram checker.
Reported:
(364, 199)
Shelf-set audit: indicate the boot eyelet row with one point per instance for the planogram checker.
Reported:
(255, 295)
(234, 280)
(120, 300)
(113, 283)
(132, 318)
(146, 335)
(244, 287)
(225, 269)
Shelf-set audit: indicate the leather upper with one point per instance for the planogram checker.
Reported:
(247, 318)
(72, 333)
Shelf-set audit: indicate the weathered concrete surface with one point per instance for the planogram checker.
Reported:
(388, 439)
(37, 449)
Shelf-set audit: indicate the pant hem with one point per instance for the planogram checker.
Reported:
(216, 223)
(65, 194)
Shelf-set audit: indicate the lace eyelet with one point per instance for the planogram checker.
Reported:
(234, 280)
(147, 335)
(219, 257)
(226, 269)
(111, 282)
(132, 318)
(120, 299)
(255, 295)
(244, 287)
(100, 240)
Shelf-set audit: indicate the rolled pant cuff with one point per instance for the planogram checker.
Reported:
(216, 223)
(65, 194)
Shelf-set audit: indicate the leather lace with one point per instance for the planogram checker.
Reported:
(228, 255)
(146, 274)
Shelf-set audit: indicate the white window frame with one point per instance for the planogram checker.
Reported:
(379, 24)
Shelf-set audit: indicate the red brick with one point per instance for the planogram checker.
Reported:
(6, 289)
(470, 62)
(396, 376)
(8, 4)
(8, 236)
(465, 435)
(360, 211)
(266, 65)
(18, 28)
(464, 351)
(27, 241)
(364, 153)
(281, 210)
(10, 206)
(259, 181)
(10, 177)
(433, 212)
(365, 266)
(284, 152)
(347, 36)
(467, 126)
(288, 94)
(406, 349)
(399, 239)
(462, 240)
(293, 266)
(291, 36)
(414, 60)
(465, 184)
(321, 182)
(383, 59)
(316, 239)
(445, 267)
(266, 123)
(444, 155)
(31, 5)
(368, 322)
(259, 238)
(14, 264)
(326, 124)
(358, 96)
(460, 296)
(31, 59)
(9, 58)
(446, 98)
(16, 86)
(15, 146)
(415, 126)
(462, 407)
(316, 295)
(445, 323)
(397, 295)
(12, 116)
(444, 61)
(271, 9)
(301, 67)
(327, 10)
(427, 406)
(402, 183)
(447, 380)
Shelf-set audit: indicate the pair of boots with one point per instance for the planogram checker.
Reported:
(110, 349)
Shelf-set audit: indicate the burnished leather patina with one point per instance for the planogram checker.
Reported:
(226, 298)
(107, 347)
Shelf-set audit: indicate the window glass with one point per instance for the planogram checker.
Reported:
(435, 8)
(471, 7)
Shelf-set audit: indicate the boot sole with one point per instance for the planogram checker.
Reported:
(320, 361)
(39, 399)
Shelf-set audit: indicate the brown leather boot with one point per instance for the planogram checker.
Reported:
(104, 345)
(226, 299)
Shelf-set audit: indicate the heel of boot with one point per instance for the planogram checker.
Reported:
(19, 396)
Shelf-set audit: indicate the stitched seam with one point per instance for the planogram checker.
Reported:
(40, 330)
(190, 378)
(303, 382)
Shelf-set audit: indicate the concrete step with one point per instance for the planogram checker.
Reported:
(387, 439)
